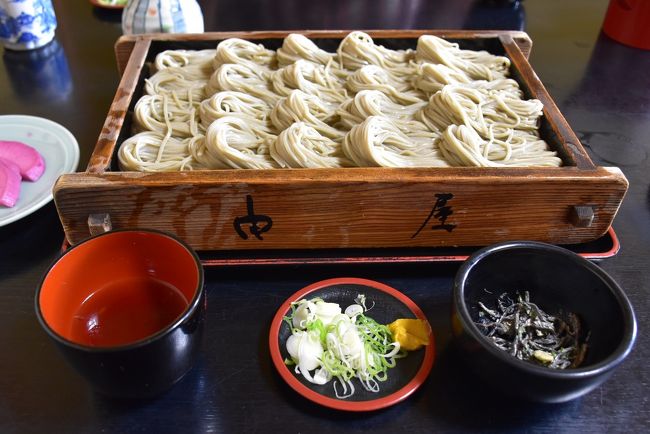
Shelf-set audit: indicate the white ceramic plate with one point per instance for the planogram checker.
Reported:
(59, 149)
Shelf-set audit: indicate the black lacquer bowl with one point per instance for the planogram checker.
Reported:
(558, 281)
(129, 343)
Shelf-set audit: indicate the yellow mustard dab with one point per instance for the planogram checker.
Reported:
(410, 333)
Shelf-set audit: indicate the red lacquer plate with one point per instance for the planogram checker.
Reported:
(604, 247)
(389, 304)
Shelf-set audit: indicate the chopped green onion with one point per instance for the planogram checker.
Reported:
(353, 345)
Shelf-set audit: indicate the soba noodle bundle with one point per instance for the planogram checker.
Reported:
(162, 113)
(477, 65)
(296, 47)
(372, 77)
(241, 78)
(462, 146)
(453, 104)
(241, 52)
(238, 104)
(368, 103)
(301, 107)
(153, 152)
(503, 86)
(231, 142)
(490, 114)
(312, 79)
(199, 62)
(377, 142)
(300, 145)
(430, 78)
(180, 83)
(358, 50)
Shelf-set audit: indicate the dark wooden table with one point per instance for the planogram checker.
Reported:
(603, 88)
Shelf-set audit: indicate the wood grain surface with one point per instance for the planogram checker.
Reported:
(353, 208)
(330, 208)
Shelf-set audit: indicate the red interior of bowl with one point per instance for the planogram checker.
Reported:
(118, 288)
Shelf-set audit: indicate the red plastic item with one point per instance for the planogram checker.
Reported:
(628, 22)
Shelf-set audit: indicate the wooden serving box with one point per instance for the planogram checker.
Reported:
(342, 208)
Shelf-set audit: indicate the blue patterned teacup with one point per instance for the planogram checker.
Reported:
(26, 24)
(167, 16)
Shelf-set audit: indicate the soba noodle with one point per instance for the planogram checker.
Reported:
(243, 106)
(300, 145)
(309, 109)
(378, 142)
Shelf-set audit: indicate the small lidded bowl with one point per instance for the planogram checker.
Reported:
(562, 284)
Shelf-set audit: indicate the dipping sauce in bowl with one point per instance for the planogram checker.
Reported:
(126, 309)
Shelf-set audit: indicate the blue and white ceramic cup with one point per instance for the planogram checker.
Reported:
(166, 16)
(26, 24)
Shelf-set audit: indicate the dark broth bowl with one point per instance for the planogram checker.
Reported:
(126, 309)
(557, 280)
